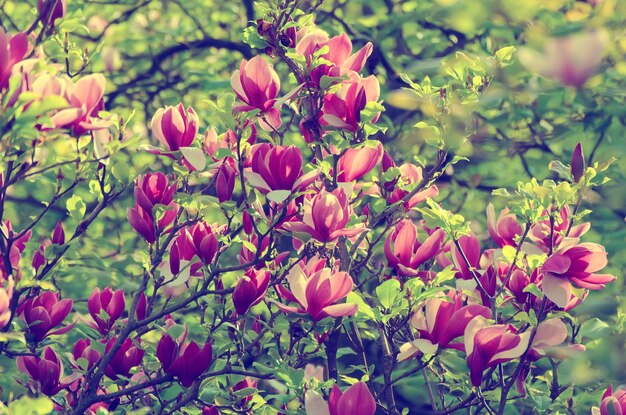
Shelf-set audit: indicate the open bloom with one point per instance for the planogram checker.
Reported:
(343, 109)
(325, 217)
(257, 85)
(577, 265)
(45, 312)
(357, 162)
(45, 372)
(356, 400)
(12, 50)
(317, 292)
(543, 231)
(406, 253)
(489, 345)
(438, 322)
(613, 402)
(339, 59)
(250, 290)
(175, 127)
(86, 100)
(504, 228)
(106, 307)
(410, 176)
(186, 361)
(127, 357)
(278, 168)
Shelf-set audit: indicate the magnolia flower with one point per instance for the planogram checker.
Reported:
(342, 110)
(127, 357)
(225, 180)
(175, 127)
(45, 372)
(105, 307)
(490, 345)
(250, 290)
(317, 292)
(203, 240)
(154, 189)
(256, 84)
(406, 253)
(186, 361)
(12, 50)
(51, 10)
(86, 100)
(338, 60)
(577, 265)
(6, 293)
(577, 165)
(613, 403)
(543, 231)
(357, 162)
(45, 312)
(438, 322)
(505, 228)
(410, 176)
(356, 400)
(325, 217)
(18, 246)
(83, 350)
(278, 168)
(469, 253)
(548, 340)
(570, 60)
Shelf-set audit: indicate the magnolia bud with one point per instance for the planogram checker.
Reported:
(578, 163)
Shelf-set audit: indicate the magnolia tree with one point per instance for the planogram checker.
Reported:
(288, 264)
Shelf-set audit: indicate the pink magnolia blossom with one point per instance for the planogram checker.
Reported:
(440, 320)
(541, 231)
(203, 239)
(410, 176)
(577, 165)
(250, 290)
(105, 307)
(225, 180)
(503, 229)
(83, 350)
(549, 339)
(17, 248)
(325, 217)
(278, 168)
(469, 253)
(45, 312)
(316, 291)
(6, 293)
(256, 84)
(339, 58)
(357, 162)
(576, 264)
(613, 402)
(490, 345)
(406, 253)
(342, 110)
(186, 361)
(128, 356)
(51, 10)
(154, 189)
(45, 372)
(13, 49)
(86, 100)
(356, 400)
(175, 127)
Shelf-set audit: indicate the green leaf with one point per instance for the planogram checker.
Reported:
(195, 157)
(278, 196)
(387, 292)
(505, 54)
(594, 329)
(31, 406)
(76, 207)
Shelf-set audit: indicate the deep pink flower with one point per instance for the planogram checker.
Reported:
(142, 221)
(58, 236)
(549, 339)
(106, 307)
(278, 168)
(12, 50)
(203, 238)
(246, 383)
(186, 361)
(339, 58)
(250, 290)
(6, 293)
(316, 291)
(357, 162)
(503, 229)
(342, 110)
(439, 321)
(127, 357)
(45, 372)
(45, 312)
(257, 85)
(154, 189)
(490, 345)
(83, 350)
(225, 180)
(410, 176)
(210, 410)
(325, 217)
(356, 400)
(541, 231)
(576, 265)
(577, 165)
(86, 100)
(613, 403)
(51, 10)
(406, 253)
(470, 248)
(17, 248)
(175, 127)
